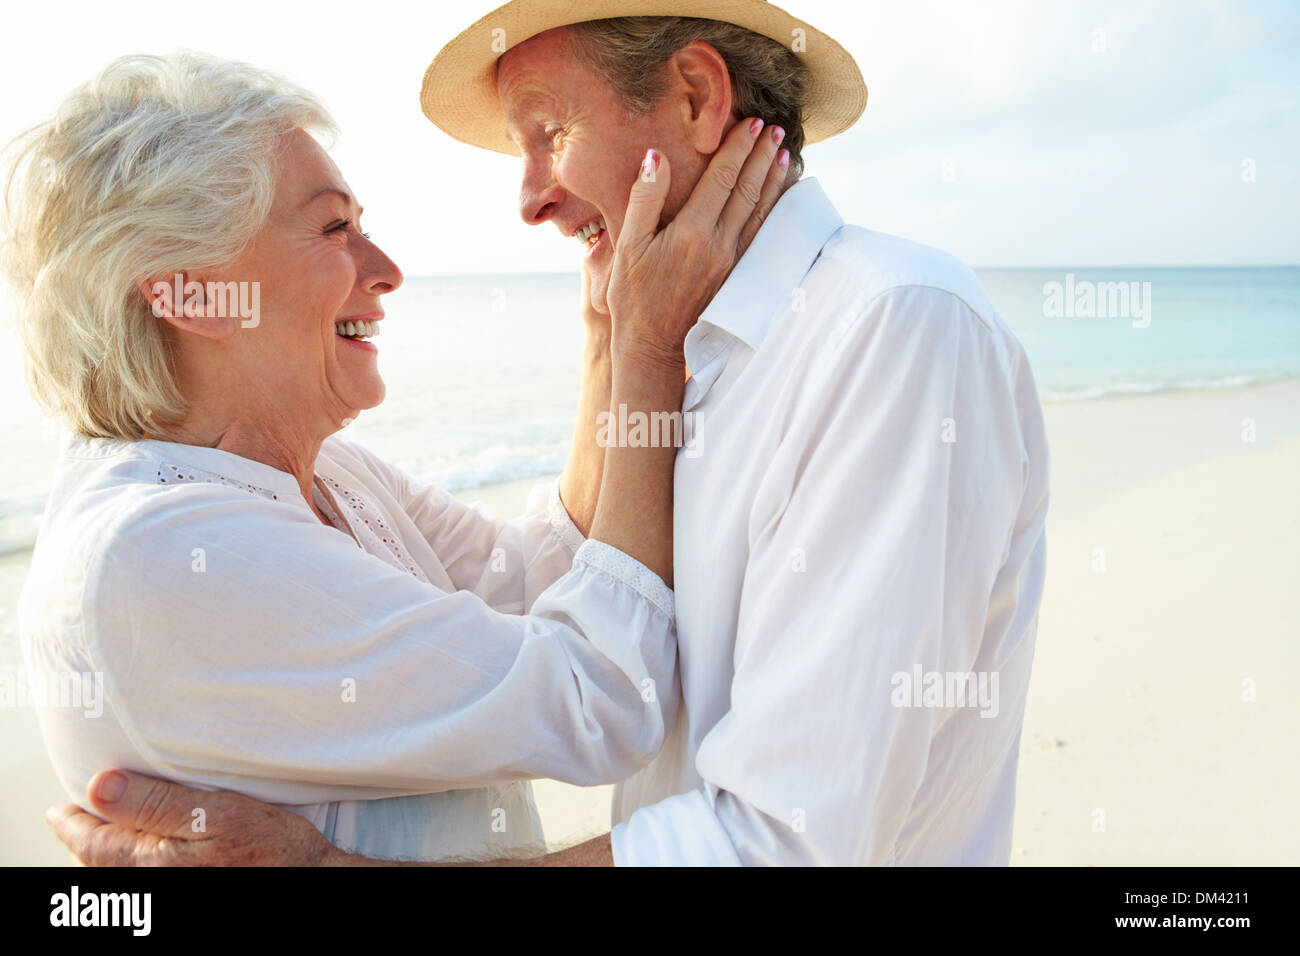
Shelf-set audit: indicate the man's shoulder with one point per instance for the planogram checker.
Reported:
(869, 290)
(868, 265)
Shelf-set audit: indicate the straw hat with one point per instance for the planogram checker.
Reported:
(459, 93)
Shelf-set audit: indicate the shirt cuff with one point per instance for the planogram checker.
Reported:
(680, 831)
(544, 501)
(627, 569)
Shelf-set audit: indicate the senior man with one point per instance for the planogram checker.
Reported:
(859, 519)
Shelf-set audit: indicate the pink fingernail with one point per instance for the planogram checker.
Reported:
(755, 128)
(650, 164)
(783, 158)
(778, 134)
(111, 787)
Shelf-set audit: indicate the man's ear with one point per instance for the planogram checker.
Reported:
(182, 301)
(698, 75)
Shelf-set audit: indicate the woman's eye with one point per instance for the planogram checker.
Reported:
(343, 226)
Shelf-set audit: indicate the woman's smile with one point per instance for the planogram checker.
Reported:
(358, 329)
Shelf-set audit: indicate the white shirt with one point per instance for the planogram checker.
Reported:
(385, 682)
(863, 497)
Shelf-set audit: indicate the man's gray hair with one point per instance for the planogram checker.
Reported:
(767, 79)
(159, 165)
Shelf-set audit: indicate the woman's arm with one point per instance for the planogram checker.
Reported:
(506, 563)
(661, 281)
(296, 668)
(580, 483)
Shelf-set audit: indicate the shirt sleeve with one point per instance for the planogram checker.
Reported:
(247, 646)
(875, 543)
(506, 563)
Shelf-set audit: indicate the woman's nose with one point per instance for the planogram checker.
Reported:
(377, 273)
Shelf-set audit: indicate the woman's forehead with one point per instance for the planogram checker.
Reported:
(306, 171)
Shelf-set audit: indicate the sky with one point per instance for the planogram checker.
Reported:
(1138, 132)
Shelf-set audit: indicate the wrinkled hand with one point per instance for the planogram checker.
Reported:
(154, 823)
(663, 279)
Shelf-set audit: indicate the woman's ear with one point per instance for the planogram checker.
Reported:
(182, 301)
(166, 297)
(699, 78)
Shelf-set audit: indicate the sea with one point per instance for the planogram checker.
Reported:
(482, 371)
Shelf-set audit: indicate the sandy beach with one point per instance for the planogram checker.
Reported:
(1159, 725)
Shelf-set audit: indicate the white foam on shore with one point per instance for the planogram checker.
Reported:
(1112, 389)
(18, 534)
(497, 471)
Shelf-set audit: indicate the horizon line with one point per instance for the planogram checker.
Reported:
(1054, 268)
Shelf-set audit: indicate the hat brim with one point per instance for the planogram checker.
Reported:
(459, 94)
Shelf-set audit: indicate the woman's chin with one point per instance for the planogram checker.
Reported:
(363, 397)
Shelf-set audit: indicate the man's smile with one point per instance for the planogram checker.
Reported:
(590, 233)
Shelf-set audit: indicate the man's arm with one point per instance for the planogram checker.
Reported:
(876, 543)
(149, 822)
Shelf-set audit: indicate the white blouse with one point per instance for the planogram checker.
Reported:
(394, 678)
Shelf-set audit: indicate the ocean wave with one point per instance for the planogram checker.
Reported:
(1088, 393)
(18, 533)
(501, 465)
(497, 471)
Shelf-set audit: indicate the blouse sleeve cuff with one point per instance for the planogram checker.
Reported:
(544, 502)
(623, 567)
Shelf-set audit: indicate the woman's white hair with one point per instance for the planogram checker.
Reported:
(158, 165)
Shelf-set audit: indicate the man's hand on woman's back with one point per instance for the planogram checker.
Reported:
(156, 823)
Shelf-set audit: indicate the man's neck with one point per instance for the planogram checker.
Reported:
(747, 240)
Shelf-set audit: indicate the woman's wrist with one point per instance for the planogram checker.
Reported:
(597, 348)
(646, 359)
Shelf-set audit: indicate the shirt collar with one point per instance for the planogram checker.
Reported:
(214, 461)
(762, 284)
(230, 466)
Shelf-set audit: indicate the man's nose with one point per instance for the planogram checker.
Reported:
(539, 196)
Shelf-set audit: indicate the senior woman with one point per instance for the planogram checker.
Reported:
(270, 608)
